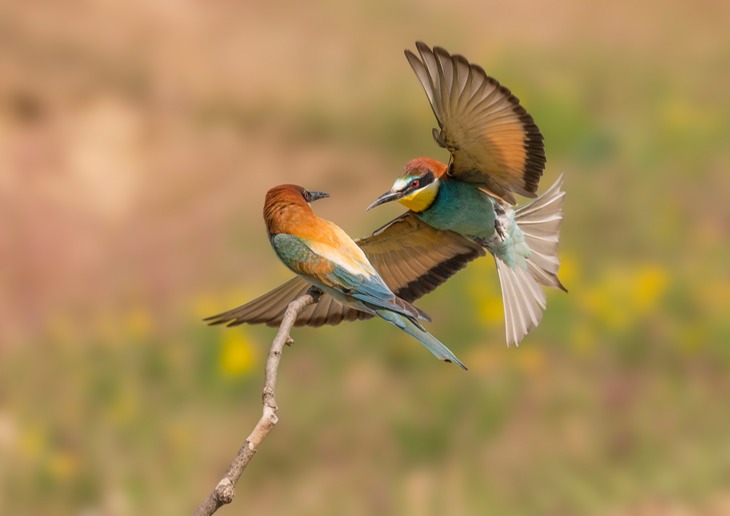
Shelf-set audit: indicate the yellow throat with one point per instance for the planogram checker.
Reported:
(421, 199)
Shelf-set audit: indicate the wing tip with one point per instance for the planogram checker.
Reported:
(219, 319)
(422, 47)
(410, 56)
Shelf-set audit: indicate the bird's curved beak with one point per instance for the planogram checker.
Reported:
(313, 196)
(386, 197)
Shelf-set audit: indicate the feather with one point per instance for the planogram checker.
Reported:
(493, 141)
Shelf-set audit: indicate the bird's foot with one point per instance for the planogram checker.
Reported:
(315, 292)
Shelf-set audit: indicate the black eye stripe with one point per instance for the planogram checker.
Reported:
(419, 182)
(424, 180)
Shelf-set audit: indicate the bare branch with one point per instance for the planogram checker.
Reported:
(225, 490)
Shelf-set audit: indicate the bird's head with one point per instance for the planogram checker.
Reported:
(417, 187)
(286, 206)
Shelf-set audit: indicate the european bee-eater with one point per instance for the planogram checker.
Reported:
(496, 151)
(324, 255)
(412, 257)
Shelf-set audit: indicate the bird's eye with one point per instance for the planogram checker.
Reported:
(414, 183)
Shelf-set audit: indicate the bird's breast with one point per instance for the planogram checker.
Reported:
(462, 208)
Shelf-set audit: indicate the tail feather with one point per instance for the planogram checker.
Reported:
(412, 311)
(524, 299)
(416, 331)
(540, 222)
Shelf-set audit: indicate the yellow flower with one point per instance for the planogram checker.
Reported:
(623, 296)
(490, 310)
(650, 284)
(237, 355)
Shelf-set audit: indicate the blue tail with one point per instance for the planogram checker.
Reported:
(439, 350)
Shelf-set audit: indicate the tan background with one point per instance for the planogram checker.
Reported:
(137, 140)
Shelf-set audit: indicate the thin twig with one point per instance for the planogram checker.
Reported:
(225, 490)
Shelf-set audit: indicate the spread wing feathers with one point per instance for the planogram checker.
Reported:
(493, 141)
(269, 309)
(414, 258)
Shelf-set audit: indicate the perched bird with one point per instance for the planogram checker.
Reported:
(496, 151)
(324, 255)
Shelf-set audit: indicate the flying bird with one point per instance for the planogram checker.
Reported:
(457, 212)
(322, 254)
(496, 152)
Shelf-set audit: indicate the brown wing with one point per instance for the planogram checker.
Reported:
(412, 257)
(493, 141)
(269, 309)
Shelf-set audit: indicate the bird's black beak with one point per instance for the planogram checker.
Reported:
(386, 197)
(313, 196)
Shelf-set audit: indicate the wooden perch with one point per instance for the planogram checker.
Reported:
(224, 492)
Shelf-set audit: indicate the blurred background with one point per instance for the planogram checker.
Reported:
(137, 141)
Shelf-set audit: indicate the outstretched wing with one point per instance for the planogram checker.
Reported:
(493, 141)
(412, 257)
(269, 309)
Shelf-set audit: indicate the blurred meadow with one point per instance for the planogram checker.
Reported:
(137, 141)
